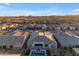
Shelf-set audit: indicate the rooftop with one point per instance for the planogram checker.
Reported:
(16, 41)
(66, 40)
(43, 35)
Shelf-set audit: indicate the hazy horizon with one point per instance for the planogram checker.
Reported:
(38, 9)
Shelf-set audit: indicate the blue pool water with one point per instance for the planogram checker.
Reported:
(38, 53)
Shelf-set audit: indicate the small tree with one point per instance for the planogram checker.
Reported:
(4, 46)
(0, 47)
(11, 46)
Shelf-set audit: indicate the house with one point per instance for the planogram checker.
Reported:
(68, 41)
(13, 44)
(41, 40)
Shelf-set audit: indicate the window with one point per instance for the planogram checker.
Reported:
(46, 45)
(38, 44)
(30, 45)
(77, 46)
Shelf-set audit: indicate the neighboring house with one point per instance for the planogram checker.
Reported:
(13, 44)
(67, 41)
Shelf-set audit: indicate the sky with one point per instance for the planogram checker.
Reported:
(38, 9)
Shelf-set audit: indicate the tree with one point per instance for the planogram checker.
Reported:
(11, 46)
(0, 47)
(4, 46)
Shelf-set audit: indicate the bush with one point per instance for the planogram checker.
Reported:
(11, 46)
(4, 46)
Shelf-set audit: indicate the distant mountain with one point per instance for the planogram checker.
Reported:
(52, 17)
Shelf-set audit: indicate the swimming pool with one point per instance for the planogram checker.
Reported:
(38, 53)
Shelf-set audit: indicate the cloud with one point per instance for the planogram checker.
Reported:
(6, 11)
(8, 4)
(75, 12)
